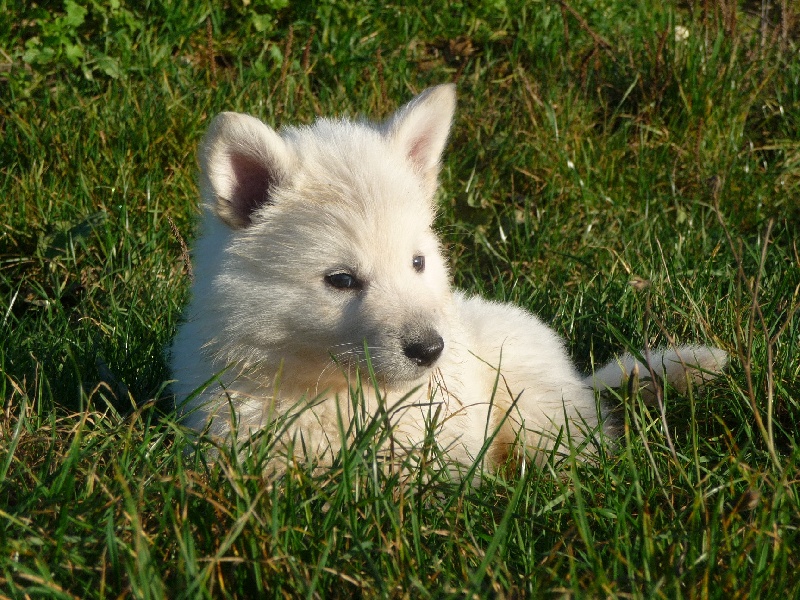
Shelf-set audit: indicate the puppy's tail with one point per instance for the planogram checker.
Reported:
(679, 367)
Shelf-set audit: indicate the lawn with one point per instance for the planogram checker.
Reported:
(630, 171)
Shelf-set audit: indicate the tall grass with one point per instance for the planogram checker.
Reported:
(597, 144)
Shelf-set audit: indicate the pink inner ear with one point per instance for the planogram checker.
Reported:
(419, 151)
(253, 179)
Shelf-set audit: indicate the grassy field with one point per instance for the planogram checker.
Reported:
(628, 170)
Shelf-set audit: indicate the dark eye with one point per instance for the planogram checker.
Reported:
(343, 281)
(418, 263)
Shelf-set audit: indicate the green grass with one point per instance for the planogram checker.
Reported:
(590, 148)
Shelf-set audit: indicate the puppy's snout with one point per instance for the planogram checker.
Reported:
(424, 350)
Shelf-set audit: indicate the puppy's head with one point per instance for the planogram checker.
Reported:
(329, 246)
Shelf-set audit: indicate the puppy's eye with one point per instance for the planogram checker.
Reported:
(418, 263)
(343, 281)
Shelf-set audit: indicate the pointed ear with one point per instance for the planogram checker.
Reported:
(420, 129)
(241, 161)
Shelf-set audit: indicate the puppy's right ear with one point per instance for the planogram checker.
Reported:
(420, 130)
(241, 161)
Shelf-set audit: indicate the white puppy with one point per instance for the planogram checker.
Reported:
(318, 260)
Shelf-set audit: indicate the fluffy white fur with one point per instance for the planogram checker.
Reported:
(317, 242)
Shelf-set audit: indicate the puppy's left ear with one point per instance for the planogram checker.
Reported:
(420, 129)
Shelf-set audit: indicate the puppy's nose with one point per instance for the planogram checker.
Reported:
(425, 350)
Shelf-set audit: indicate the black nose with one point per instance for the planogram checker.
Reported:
(425, 350)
